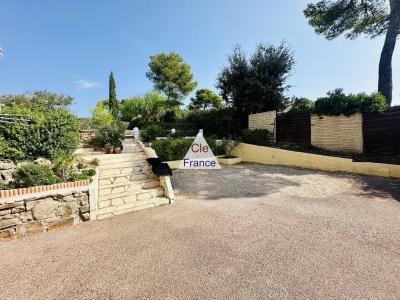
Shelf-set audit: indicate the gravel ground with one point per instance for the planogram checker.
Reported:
(244, 232)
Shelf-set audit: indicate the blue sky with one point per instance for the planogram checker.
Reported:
(71, 46)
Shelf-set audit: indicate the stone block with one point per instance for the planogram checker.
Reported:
(106, 210)
(117, 201)
(104, 192)
(84, 198)
(6, 223)
(29, 228)
(130, 198)
(11, 205)
(44, 209)
(26, 216)
(30, 204)
(84, 208)
(67, 209)
(5, 212)
(85, 216)
(18, 209)
(105, 203)
(60, 223)
(7, 234)
(144, 196)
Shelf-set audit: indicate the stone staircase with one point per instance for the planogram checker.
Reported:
(126, 182)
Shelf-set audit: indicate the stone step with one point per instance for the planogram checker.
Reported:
(124, 164)
(142, 168)
(109, 211)
(124, 158)
(131, 177)
(132, 186)
(140, 194)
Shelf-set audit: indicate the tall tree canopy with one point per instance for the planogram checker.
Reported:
(356, 17)
(258, 83)
(205, 99)
(112, 96)
(149, 108)
(171, 75)
(39, 100)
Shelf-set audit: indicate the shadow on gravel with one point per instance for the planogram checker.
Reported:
(250, 180)
(243, 181)
(380, 186)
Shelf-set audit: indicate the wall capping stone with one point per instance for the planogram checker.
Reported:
(42, 189)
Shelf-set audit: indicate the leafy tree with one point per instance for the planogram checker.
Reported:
(38, 101)
(356, 17)
(101, 115)
(301, 104)
(149, 108)
(112, 96)
(258, 83)
(337, 103)
(171, 75)
(205, 99)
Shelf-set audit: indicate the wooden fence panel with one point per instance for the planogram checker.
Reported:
(382, 132)
(337, 133)
(294, 128)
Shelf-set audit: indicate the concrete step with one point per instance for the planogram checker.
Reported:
(123, 161)
(141, 194)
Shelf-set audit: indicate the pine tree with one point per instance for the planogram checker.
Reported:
(112, 96)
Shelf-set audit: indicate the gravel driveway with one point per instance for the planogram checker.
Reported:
(244, 232)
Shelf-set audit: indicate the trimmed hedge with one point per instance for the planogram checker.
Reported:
(176, 149)
(256, 137)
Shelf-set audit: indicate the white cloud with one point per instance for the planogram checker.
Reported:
(83, 84)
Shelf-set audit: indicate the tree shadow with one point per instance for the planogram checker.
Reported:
(251, 180)
(375, 186)
(241, 181)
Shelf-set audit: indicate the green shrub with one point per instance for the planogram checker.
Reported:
(110, 134)
(176, 149)
(62, 164)
(152, 131)
(32, 174)
(48, 132)
(255, 136)
(9, 153)
(337, 103)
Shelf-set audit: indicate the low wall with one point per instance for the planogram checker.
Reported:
(273, 156)
(338, 133)
(41, 212)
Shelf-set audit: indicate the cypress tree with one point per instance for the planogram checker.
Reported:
(112, 96)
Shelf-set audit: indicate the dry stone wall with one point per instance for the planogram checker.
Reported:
(38, 213)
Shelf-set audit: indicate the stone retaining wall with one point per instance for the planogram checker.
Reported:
(30, 214)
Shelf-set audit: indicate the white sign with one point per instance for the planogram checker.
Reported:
(200, 156)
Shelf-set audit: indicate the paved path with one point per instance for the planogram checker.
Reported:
(246, 232)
